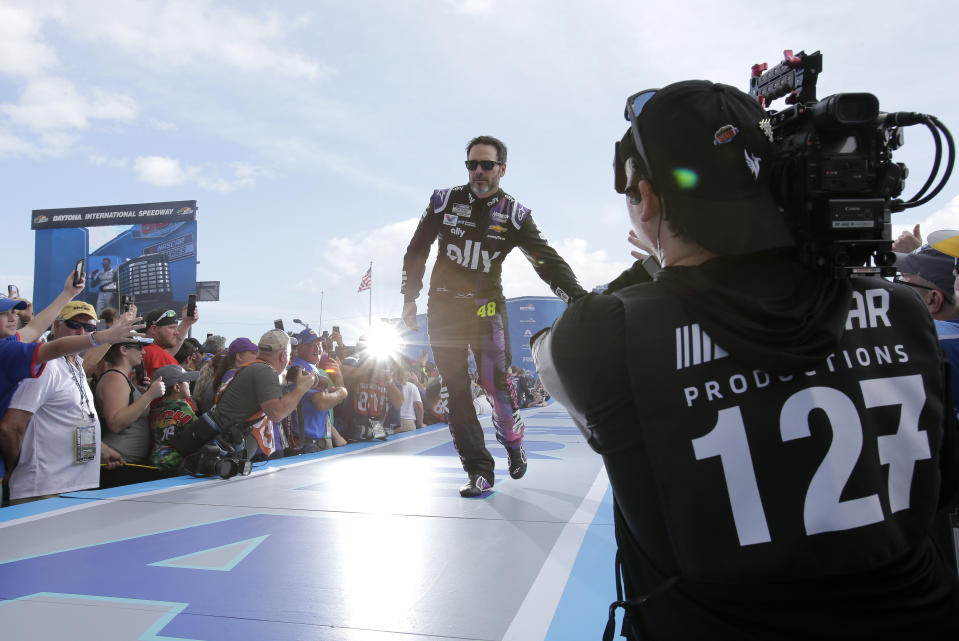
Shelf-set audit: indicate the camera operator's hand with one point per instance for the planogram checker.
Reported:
(908, 241)
(634, 240)
(409, 315)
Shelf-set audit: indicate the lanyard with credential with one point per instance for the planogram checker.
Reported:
(76, 373)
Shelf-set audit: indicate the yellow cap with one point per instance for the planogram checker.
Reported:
(76, 308)
(946, 241)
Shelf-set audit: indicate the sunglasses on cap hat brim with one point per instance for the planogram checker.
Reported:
(162, 317)
(632, 146)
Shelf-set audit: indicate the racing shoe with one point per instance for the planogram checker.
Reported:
(476, 485)
(517, 461)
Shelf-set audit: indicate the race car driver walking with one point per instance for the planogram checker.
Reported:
(477, 226)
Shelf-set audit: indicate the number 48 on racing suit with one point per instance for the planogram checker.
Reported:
(466, 308)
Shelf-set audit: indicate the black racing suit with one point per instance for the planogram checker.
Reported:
(466, 304)
(777, 446)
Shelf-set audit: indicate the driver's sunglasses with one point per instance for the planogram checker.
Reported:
(87, 327)
(634, 107)
(485, 164)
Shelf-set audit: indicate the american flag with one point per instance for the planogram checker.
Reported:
(367, 282)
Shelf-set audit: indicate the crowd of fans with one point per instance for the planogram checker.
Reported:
(117, 414)
(114, 414)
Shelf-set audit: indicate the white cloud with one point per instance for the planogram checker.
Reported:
(52, 104)
(22, 51)
(160, 171)
(13, 145)
(591, 266)
(163, 171)
(244, 175)
(59, 96)
(384, 246)
(184, 33)
(54, 143)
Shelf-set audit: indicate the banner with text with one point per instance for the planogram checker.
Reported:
(144, 251)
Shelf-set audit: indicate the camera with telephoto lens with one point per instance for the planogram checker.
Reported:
(209, 450)
(833, 172)
(213, 460)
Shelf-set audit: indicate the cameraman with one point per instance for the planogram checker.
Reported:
(254, 396)
(778, 441)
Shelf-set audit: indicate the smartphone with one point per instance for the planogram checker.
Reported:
(13, 291)
(278, 323)
(78, 272)
(191, 305)
(125, 301)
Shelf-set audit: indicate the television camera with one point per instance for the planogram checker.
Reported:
(833, 172)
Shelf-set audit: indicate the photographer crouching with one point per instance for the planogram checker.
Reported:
(214, 445)
(778, 440)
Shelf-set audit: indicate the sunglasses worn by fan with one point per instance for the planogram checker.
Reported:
(946, 295)
(87, 327)
(634, 107)
(485, 164)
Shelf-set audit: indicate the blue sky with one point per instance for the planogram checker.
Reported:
(312, 133)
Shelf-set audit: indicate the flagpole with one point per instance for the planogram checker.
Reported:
(370, 319)
(321, 311)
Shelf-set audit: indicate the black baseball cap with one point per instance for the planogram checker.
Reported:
(709, 152)
(160, 317)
